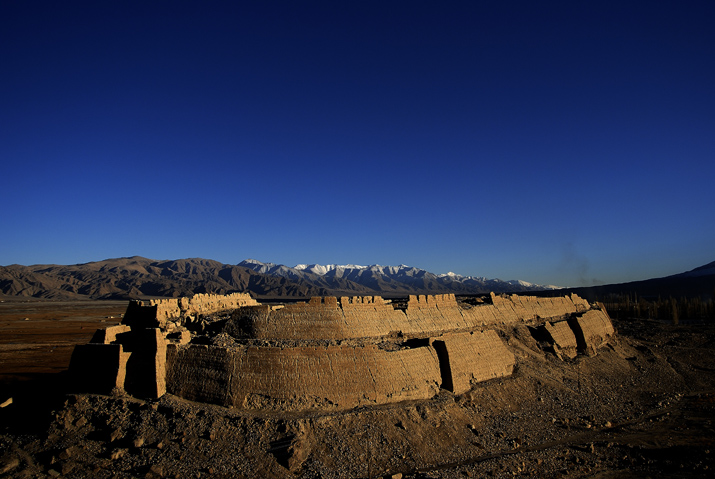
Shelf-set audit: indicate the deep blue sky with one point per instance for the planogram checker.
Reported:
(569, 143)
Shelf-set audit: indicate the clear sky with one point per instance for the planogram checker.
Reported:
(568, 143)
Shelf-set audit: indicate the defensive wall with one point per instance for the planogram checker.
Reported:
(162, 312)
(327, 353)
(295, 378)
(372, 316)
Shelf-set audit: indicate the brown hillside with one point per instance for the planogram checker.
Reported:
(137, 277)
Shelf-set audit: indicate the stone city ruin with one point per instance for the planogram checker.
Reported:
(329, 353)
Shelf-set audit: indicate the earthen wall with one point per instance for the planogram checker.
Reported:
(298, 378)
(135, 357)
(472, 357)
(592, 329)
(163, 310)
(425, 315)
(562, 337)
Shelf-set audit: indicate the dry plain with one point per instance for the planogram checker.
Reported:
(644, 406)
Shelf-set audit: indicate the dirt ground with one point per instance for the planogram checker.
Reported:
(37, 337)
(642, 407)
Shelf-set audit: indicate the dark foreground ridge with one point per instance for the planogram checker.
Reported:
(545, 397)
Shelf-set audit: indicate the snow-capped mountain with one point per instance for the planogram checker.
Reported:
(377, 279)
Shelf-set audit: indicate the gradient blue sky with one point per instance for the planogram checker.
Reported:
(570, 143)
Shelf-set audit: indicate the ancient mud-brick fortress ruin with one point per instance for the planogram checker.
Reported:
(328, 353)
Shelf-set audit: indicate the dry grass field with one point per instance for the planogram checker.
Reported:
(37, 337)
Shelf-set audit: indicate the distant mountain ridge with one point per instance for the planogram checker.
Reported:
(390, 280)
(137, 277)
(696, 283)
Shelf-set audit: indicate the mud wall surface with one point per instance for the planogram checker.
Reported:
(514, 308)
(334, 377)
(473, 357)
(371, 316)
(276, 365)
(156, 312)
(300, 378)
(592, 329)
(562, 337)
(98, 368)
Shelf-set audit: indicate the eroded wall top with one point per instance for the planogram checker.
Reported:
(156, 312)
(331, 318)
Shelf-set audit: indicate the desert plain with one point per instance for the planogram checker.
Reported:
(642, 406)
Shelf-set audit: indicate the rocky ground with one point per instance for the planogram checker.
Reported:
(644, 406)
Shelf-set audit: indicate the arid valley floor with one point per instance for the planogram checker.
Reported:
(643, 406)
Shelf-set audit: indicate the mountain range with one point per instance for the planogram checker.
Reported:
(138, 277)
(389, 280)
(696, 283)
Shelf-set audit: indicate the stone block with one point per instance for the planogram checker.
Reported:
(472, 357)
(592, 330)
(562, 337)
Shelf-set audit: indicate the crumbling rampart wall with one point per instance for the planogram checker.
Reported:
(592, 329)
(371, 316)
(433, 314)
(273, 363)
(157, 312)
(299, 378)
(472, 357)
(562, 338)
(515, 308)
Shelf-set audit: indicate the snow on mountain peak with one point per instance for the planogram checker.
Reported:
(322, 270)
(399, 273)
(251, 261)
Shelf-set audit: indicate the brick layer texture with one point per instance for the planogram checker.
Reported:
(300, 378)
(303, 377)
(156, 312)
(371, 316)
(472, 357)
(561, 335)
(514, 309)
(592, 329)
